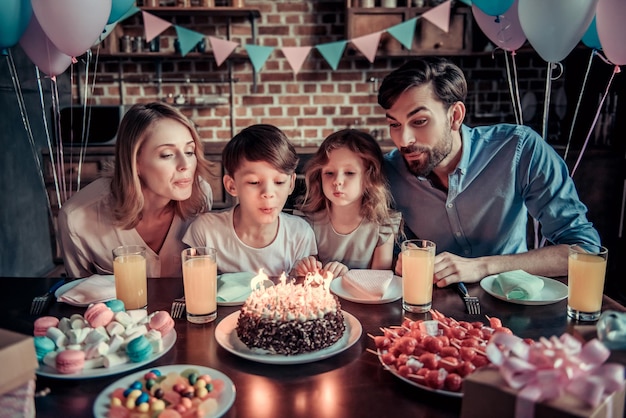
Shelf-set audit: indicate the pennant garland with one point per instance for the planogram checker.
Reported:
(332, 51)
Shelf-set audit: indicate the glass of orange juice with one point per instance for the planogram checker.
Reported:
(200, 283)
(418, 263)
(586, 271)
(129, 269)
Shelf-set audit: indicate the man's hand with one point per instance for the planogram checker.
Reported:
(450, 268)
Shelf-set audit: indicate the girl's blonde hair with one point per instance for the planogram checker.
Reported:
(126, 194)
(376, 201)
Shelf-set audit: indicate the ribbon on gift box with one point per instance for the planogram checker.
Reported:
(546, 369)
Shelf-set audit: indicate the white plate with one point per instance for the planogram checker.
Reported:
(47, 371)
(226, 336)
(553, 291)
(393, 292)
(67, 286)
(393, 371)
(224, 402)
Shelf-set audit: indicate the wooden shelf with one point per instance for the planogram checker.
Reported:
(204, 11)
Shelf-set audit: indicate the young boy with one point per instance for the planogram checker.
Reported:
(260, 165)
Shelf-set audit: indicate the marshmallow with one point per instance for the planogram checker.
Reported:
(115, 359)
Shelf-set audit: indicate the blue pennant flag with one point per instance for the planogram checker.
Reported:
(332, 52)
(258, 55)
(404, 32)
(187, 39)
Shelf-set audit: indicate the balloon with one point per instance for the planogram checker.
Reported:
(610, 16)
(493, 7)
(105, 32)
(505, 30)
(72, 25)
(42, 51)
(118, 9)
(14, 18)
(554, 27)
(590, 38)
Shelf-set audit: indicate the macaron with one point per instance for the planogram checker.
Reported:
(161, 321)
(139, 349)
(115, 305)
(43, 346)
(99, 315)
(42, 324)
(70, 361)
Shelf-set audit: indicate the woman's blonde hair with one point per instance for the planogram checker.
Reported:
(376, 201)
(126, 193)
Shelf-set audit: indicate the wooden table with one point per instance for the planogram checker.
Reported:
(350, 384)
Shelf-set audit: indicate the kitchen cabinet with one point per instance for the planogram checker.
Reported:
(428, 40)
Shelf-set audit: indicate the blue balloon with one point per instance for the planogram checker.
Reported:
(591, 38)
(14, 18)
(118, 8)
(493, 7)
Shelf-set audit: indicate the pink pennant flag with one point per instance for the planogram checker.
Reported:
(439, 16)
(296, 56)
(368, 45)
(153, 26)
(221, 49)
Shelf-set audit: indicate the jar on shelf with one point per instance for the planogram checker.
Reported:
(238, 3)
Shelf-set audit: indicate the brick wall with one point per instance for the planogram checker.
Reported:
(315, 102)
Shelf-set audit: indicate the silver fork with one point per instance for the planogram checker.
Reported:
(471, 302)
(178, 308)
(39, 303)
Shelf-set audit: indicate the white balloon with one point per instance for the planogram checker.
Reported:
(554, 27)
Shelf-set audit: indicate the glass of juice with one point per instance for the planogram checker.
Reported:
(129, 269)
(418, 263)
(585, 277)
(200, 283)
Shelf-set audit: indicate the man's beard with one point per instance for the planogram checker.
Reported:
(433, 156)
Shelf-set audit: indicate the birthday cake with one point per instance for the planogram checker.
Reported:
(290, 319)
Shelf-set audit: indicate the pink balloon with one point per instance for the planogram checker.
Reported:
(505, 30)
(610, 18)
(42, 51)
(72, 25)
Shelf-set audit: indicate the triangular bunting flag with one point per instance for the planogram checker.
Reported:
(368, 45)
(468, 2)
(188, 39)
(153, 26)
(258, 55)
(439, 16)
(296, 56)
(404, 32)
(332, 52)
(221, 49)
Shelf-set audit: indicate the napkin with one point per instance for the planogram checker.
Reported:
(367, 284)
(96, 288)
(233, 287)
(518, 285)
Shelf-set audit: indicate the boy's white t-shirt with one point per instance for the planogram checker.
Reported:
(295, 240)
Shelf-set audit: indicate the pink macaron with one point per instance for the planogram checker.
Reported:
(70, 361)
(99, 315)
(162, 322)
(42, 324)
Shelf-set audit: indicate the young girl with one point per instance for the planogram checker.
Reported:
(348, 205)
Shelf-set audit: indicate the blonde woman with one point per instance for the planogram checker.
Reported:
(158, 187)
(348, 205)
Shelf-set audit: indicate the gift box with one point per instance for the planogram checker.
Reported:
(18, 359)
(486, 394)
(551, 378)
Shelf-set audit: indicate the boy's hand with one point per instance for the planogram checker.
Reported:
(306, 265)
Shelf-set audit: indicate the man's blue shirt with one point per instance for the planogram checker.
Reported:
(505, 173)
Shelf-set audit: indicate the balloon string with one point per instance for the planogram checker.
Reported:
(580, 97)
(25, 120)
(517, 95)
(511, 92)
(86, 118)
(48, 139)
(59, 144)
(616, 70)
